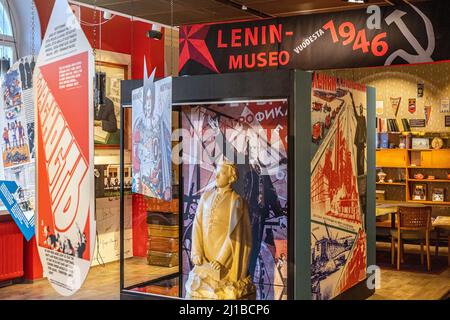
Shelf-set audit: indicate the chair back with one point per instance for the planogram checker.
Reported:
(414, 218)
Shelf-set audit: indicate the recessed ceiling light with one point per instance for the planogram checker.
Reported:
(355, 1)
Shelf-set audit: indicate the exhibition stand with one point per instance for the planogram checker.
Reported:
(244, 178)
(344, 237)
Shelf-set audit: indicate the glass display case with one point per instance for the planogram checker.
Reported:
(239, 222)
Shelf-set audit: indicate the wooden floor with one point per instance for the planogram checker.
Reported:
(402, 285)
(103, 283)
(418, 285)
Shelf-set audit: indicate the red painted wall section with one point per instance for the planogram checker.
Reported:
(117, 35)
(114, 34)
(152, 49)
(44, 9)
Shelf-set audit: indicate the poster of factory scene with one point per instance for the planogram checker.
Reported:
(338, 186)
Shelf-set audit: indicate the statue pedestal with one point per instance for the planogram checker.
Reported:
(206, 283)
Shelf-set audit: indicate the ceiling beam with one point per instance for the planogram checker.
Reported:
(121, 14)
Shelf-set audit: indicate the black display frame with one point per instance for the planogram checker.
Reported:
(295, 87)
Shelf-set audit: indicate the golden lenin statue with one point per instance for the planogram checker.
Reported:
(221, 242)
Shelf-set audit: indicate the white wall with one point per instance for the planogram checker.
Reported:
(22, 25)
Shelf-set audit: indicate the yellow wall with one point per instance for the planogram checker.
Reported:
(401, 81)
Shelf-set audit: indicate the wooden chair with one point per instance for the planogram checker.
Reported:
(413, 223)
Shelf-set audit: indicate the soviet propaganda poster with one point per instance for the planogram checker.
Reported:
(63, 82)
(338, 186)
(152, 138)
(253, 136)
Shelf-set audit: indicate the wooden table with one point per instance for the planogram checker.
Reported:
(443, 223)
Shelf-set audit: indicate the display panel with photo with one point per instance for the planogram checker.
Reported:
(17, 125)
(438, 195)
(419, 192)
(252, 136)
(107, 103)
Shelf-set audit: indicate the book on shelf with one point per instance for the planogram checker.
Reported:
(387, 125)
(406, 126)
(393, 125)
(384, 140)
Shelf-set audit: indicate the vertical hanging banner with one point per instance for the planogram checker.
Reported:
(152, 138)
(63, 82)
(17, 163)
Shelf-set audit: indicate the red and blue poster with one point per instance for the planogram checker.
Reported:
(63, 83)
(152, 140)
(338, 186)
(253, 135)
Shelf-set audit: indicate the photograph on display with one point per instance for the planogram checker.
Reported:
(17, 91)
(24, 177)
(249, 138)
(107, 103)
(152, 139)
(338, 186)
(107, 181)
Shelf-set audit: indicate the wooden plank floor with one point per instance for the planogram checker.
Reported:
(402, 285)
(103, 283)
(406, 285)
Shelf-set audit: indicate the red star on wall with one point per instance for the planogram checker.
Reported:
(193, 47)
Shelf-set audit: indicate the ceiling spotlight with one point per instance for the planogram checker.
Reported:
(356, 1)
(244, 7)
(107, 15)
(155, 33)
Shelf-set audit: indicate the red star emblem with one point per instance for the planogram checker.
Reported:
(193, 47)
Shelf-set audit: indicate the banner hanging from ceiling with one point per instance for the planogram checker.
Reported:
(63, 82)
(17, 163)
(377, 36)
(152, 138)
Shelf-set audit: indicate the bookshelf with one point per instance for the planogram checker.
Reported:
(402, 165)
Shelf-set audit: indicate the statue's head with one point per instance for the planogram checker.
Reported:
(226, 175)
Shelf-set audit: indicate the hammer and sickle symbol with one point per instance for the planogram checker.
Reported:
(422, 54)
